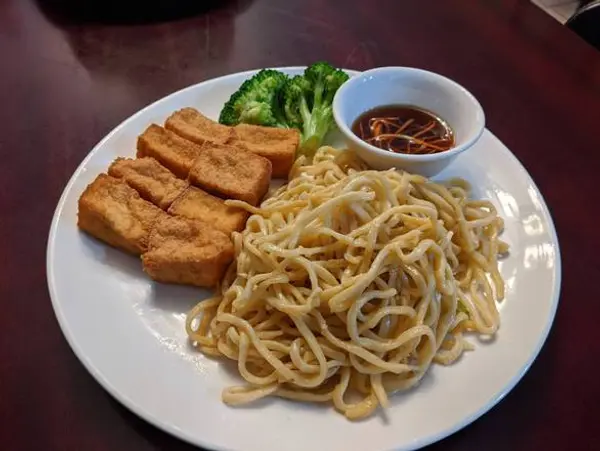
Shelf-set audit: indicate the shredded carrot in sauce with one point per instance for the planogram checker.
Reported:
(404, 129)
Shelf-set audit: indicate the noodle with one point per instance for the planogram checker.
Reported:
(349, 280)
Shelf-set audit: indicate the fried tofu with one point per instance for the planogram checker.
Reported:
(277, 144)
(172, 151)
(150, 179)
(193, 125)
(113, 212)
(187, 251)
(195, 203)
(231, 173)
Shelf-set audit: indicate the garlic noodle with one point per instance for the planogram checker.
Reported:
(349, 281)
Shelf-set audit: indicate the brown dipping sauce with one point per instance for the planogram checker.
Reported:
(404, 129)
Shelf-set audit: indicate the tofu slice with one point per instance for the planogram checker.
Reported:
(276, 144)
(186, 251)
(150, 179)
(195, 203)
(193, 125)
(113, 212)
(231, 173)
(172, 151)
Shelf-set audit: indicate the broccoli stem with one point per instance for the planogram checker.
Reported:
(305, 112)
(316, 124)
(318, 96)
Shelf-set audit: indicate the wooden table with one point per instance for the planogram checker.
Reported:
(65, 81)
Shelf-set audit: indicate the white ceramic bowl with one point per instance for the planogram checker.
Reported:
(408, 86)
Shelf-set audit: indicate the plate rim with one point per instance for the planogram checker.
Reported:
(133, 407)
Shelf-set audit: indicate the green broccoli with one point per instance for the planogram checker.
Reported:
(257, 101)
(308, 102)
(271, 98)
(295, 106)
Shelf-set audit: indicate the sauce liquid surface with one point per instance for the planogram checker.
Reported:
(404, 129)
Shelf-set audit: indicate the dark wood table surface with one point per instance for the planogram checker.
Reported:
(68, 76)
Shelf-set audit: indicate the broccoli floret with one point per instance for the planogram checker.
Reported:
(257, 101)
(308, 102)
(295, 106)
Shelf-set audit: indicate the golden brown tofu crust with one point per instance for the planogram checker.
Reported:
(113, 212)
(190, 124)
(277, 144)
(150, 179)
(195, 203)
(231, 173)
(187, 251)
(172, 151)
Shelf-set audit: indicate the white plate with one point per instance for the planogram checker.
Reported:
(129, 332)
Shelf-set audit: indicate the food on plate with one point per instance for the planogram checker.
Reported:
(174, 152)
(231, 173)
(257, 101)
(278, 145)
(150, 179)
(190, 124)
(350, 280)
(404, 129)
(303, 102)
(308, 103)
(195, 203)
(346, 281)
(113, 212)
(187, 251)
